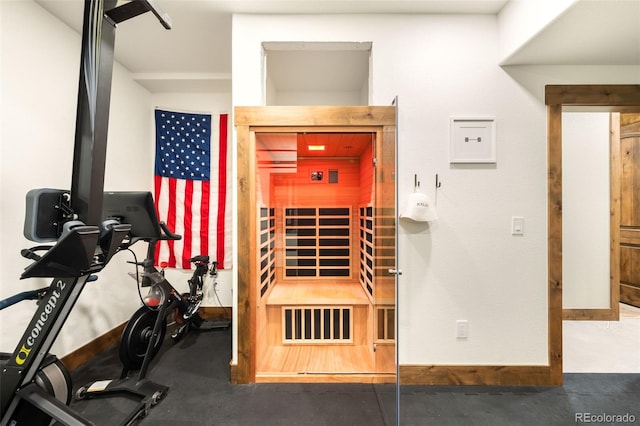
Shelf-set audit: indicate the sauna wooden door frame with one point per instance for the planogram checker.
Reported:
(613, 98)
(248, 120)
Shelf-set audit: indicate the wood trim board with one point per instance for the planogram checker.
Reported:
(611, 98)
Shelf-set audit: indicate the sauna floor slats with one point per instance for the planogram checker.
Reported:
(310, 359)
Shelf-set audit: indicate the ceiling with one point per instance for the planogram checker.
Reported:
(602, 32)
(280, 152)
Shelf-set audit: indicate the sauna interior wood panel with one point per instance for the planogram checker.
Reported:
(317, 242)
(299, 189)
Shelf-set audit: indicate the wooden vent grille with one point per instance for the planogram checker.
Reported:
(366, 248)
(318, 242)
(317, 324)
(385, 323)
(267, 237)
(384, 235)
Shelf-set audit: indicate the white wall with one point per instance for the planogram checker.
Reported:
(40, 68)
(520, 20)
(320, 97)
(585, 210)
(467, 265)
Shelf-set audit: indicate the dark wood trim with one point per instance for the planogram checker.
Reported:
(215, 312)
(245, 369)
(596, 314)
(592, 95)
(475, 375)
(554, 165)
(233, 374)
(88, 351)
(615, 190)
(630, 294)
(315, 116)
(619, 97)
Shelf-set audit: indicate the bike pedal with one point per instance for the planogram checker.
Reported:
(191, 311)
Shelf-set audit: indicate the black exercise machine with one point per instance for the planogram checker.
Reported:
(164, 307)
(145, 331)
(35, 387)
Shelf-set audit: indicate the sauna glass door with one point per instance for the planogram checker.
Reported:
(384, 253)
(326, 240)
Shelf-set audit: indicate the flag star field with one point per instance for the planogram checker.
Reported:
(184, 145)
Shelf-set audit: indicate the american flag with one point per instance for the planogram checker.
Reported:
(186, 198)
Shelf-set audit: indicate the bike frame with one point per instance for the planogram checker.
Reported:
(19, 371)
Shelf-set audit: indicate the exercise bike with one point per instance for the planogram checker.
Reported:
(145, 331)
(163, 308)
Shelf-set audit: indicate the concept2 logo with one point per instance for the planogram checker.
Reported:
(25, 350)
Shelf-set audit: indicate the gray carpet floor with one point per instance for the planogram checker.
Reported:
(197, 371)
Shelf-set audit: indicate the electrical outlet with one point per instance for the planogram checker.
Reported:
(462, 329)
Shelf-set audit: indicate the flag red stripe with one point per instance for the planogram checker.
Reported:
(187, 222)
(204, 217)
(171, 220)
(222, 190)
(157, 181)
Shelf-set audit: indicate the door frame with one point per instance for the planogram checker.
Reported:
(612, 98)
(247, 119)
(626, 292)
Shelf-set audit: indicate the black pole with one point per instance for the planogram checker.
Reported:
(92, 116)
(94, 98)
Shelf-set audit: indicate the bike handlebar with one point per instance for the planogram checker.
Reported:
(25, 295)
(30, 252)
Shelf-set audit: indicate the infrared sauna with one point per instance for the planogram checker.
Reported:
(321, 297)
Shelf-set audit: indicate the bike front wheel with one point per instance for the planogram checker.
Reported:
(137, 336)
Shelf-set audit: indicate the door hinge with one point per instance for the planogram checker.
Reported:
(375, 161)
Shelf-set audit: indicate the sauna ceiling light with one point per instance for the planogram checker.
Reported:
(315, 147)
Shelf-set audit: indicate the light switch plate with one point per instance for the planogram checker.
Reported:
(517, 225)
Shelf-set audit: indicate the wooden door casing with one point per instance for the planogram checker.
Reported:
(630, 209)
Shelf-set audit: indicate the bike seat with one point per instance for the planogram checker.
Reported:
(202, 258)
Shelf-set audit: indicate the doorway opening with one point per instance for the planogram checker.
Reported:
(600, 268)
(611, 98)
